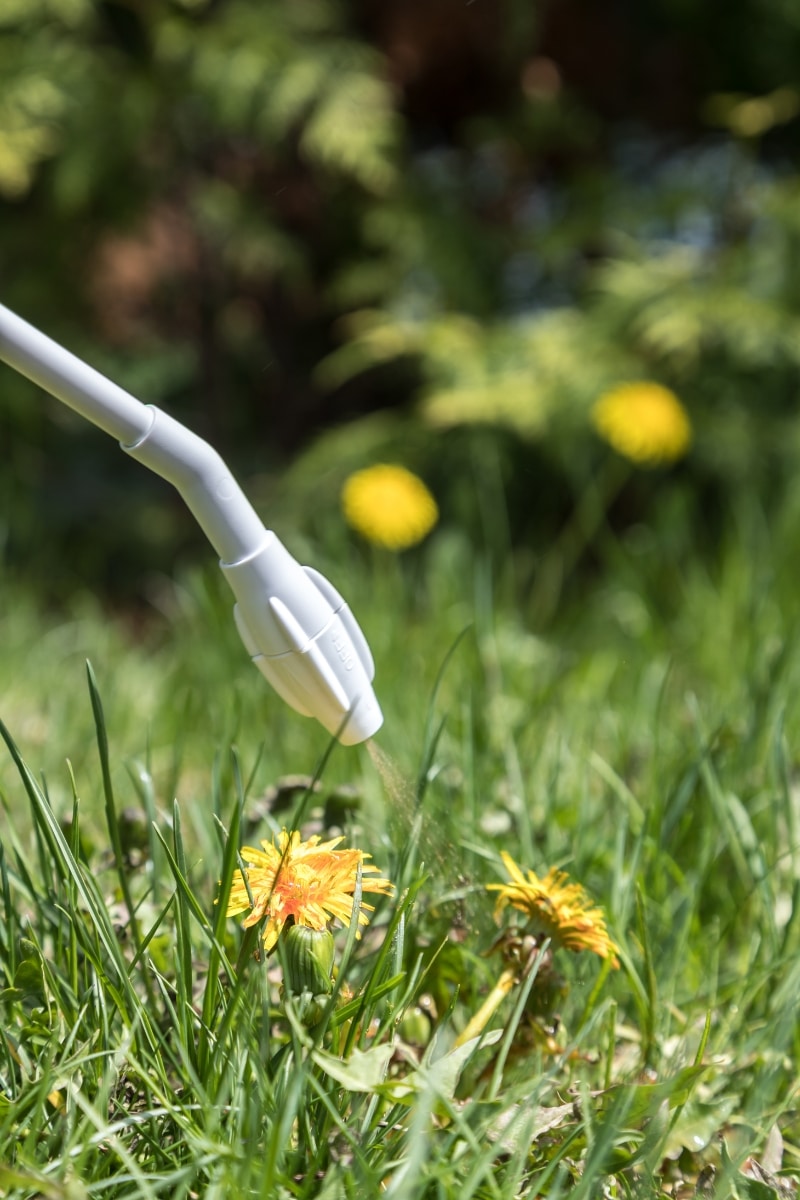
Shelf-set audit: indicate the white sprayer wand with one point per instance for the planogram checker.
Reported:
(297, 628)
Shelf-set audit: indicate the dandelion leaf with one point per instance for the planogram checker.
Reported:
(441, 1077)
(363, 1071)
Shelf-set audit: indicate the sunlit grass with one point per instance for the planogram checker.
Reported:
(643, 742)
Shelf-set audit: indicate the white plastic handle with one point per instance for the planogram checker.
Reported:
(297, 628)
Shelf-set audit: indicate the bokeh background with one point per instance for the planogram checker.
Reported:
(330, 232)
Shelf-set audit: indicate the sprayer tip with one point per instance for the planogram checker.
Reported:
(364, 721)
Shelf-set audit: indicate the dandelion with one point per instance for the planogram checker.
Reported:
(645, 422)
(556, 908)
(307, 883)
(389, 506)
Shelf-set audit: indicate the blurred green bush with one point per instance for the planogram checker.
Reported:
(273, 219)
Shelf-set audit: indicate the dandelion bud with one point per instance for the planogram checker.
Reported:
(415, 1027)
(308, 970)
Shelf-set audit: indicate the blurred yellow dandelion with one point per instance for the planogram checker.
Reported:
(645, 422)
(389, 506)
(308, 882)
(556, 908)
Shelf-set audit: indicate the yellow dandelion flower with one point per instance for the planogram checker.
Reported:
(558, 909)
(308, 882)
(645, 422)
(389, 506)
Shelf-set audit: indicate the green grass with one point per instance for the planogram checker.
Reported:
(645, 741)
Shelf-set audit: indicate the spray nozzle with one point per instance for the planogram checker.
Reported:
(298, 630)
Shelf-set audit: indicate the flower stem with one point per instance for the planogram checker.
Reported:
(475, 1026)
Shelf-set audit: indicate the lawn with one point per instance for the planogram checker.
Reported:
(642, 739)
(534, 266)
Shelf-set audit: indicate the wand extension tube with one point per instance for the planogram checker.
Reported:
(296, 627)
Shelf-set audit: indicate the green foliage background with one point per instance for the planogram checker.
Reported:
(276, 218)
